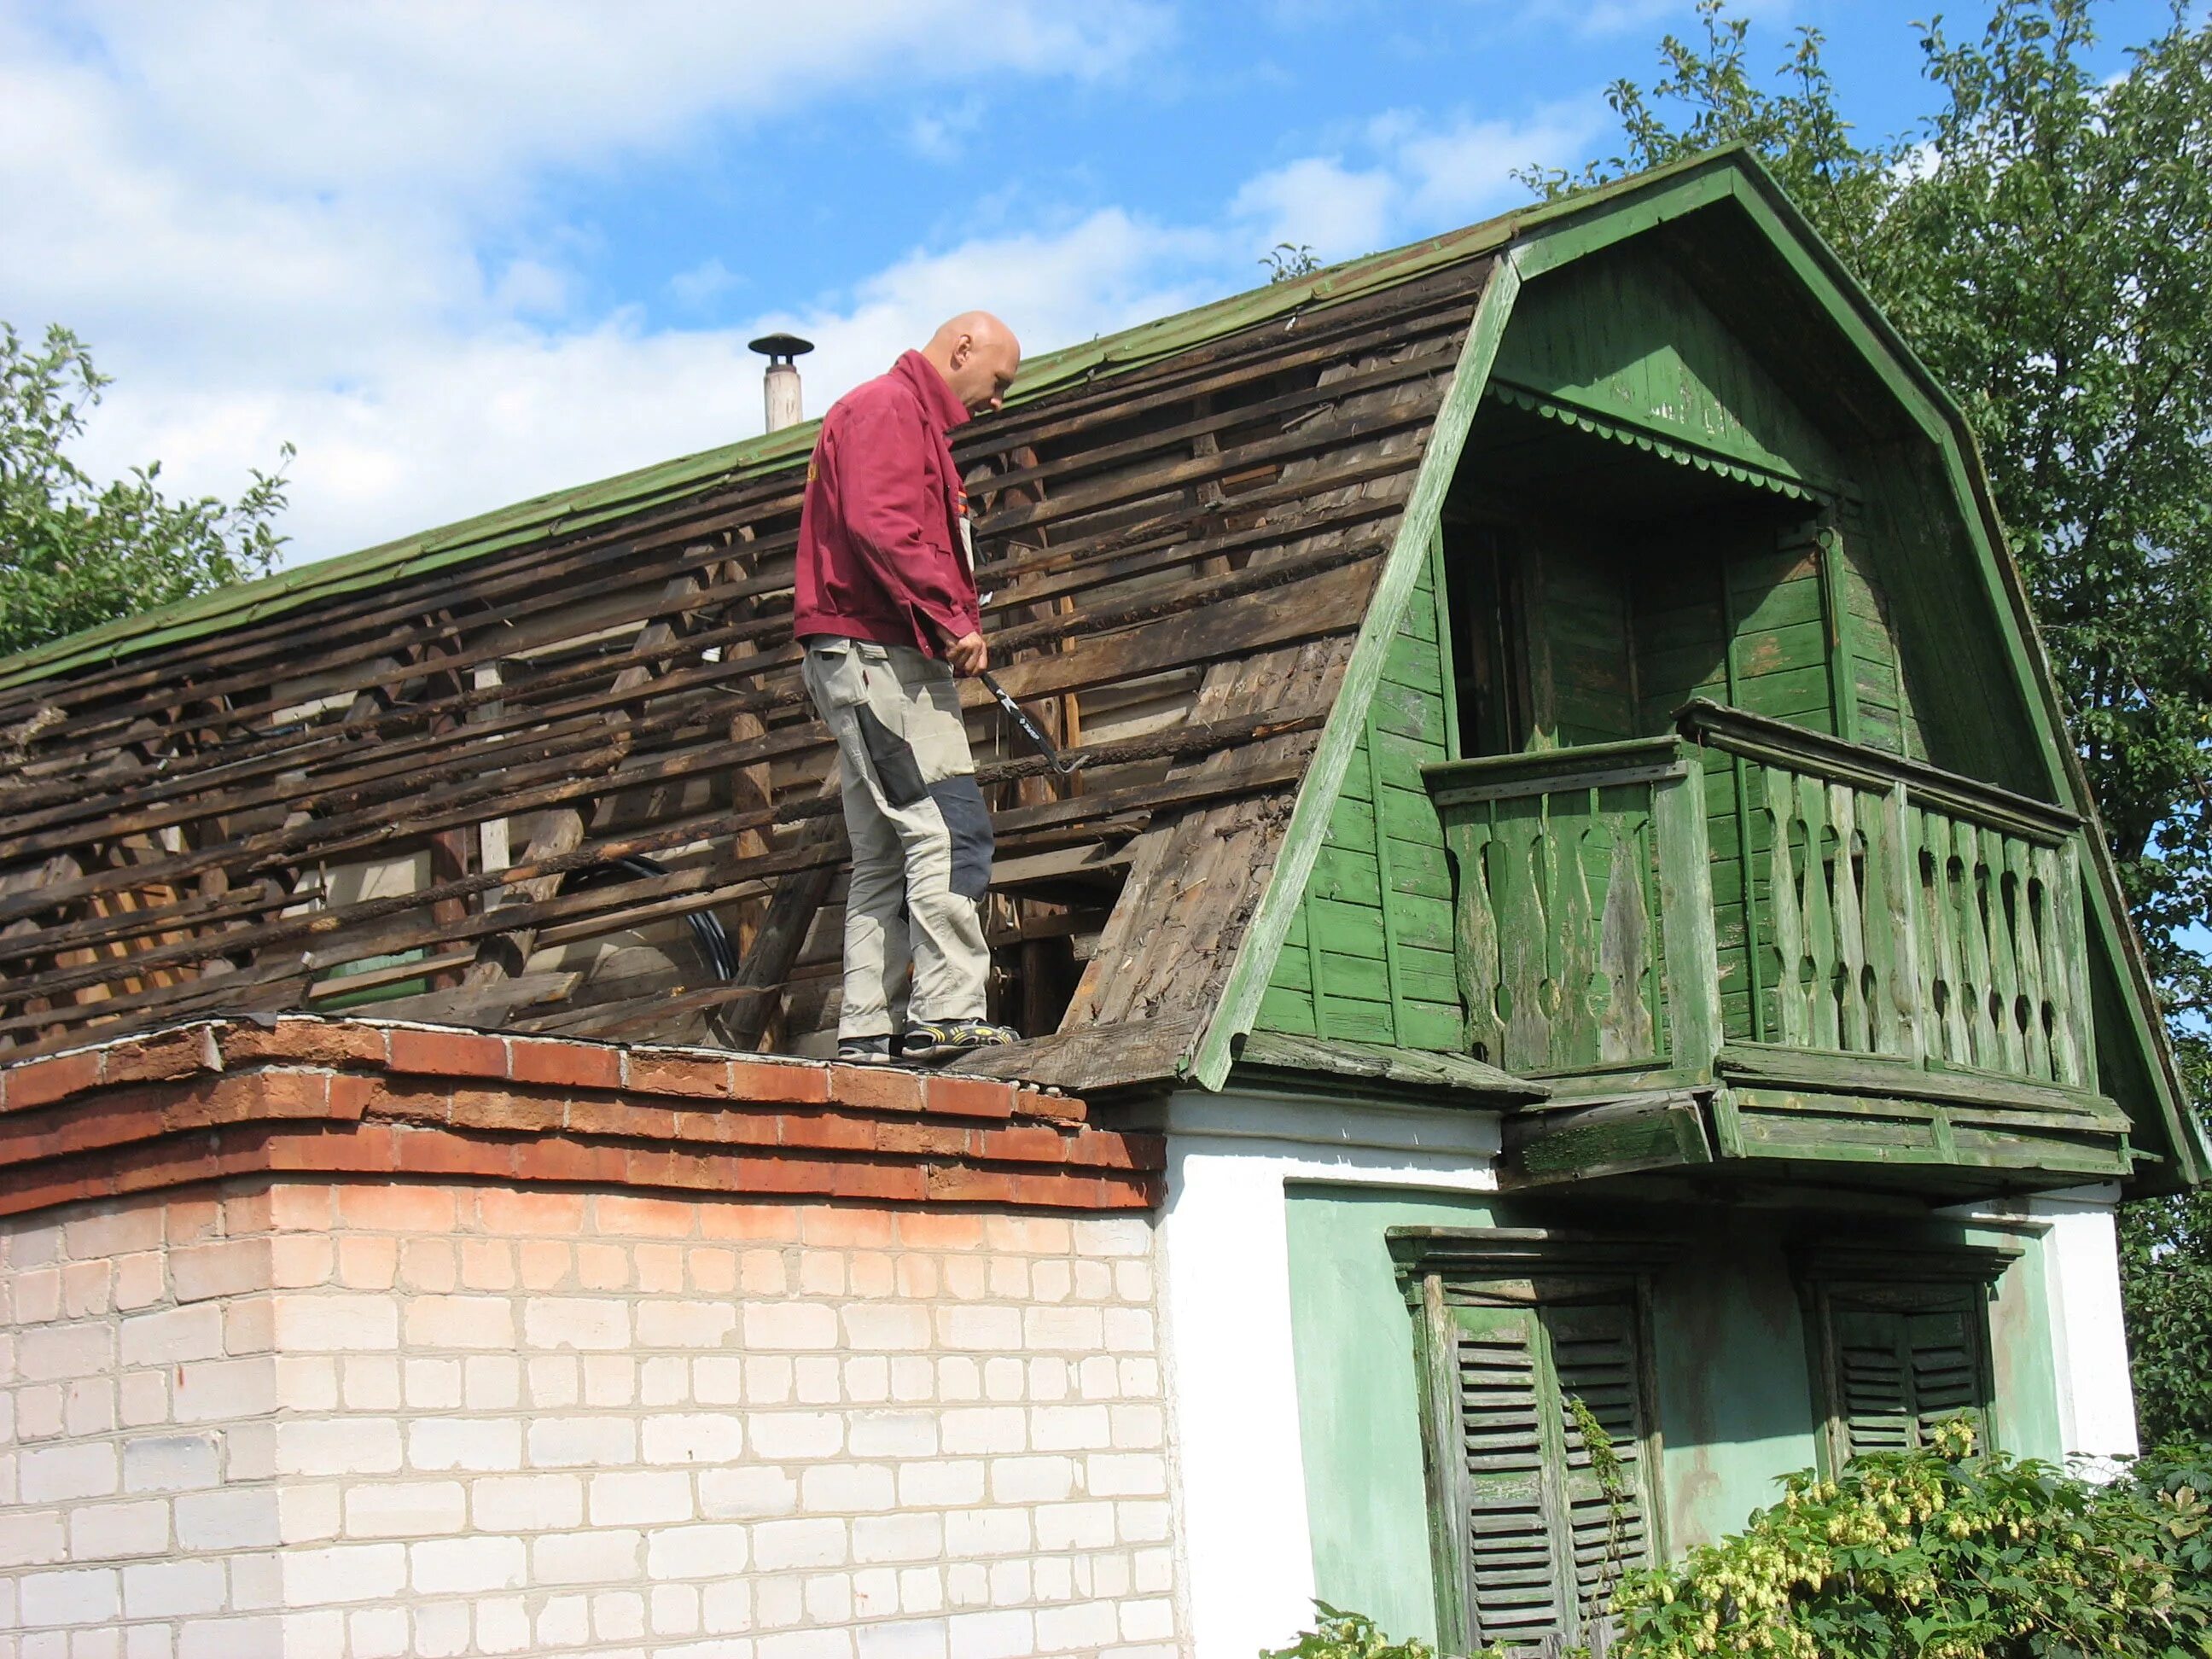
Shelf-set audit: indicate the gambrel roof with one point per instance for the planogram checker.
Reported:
(391, 771)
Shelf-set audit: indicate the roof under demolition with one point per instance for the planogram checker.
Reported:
(520, 772)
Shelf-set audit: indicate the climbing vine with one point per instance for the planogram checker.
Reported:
(1612, 1478)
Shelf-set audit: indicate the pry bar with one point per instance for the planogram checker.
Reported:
(1043, 744)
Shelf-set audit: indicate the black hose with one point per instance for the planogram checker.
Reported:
(707, 931)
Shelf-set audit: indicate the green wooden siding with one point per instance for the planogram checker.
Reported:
(1781, 621)
(1628, 339)
(1617, 638)
(1368, 955)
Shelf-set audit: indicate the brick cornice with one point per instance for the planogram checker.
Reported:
(353, 1099)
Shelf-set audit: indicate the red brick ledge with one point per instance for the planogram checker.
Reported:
(344, 1097)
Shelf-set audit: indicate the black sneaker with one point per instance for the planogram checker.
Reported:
(928, 1040)
(864, 1051)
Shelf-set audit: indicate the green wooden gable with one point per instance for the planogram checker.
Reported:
(1686, 457)
(1625, 346)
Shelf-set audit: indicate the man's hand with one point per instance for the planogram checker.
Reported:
(968, 655)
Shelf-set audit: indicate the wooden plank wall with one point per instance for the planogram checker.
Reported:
(1623, 627)
(1179, 555)
(1765, 636)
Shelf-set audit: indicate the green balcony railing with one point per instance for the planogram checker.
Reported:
(1747, 889)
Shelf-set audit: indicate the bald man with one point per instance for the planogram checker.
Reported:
(887, 614)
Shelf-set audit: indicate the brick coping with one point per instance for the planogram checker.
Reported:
(361, 1098)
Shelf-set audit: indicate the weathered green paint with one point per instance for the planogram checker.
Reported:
(1735, 1405)
(1629, 340)
(1919, 935)
(1364, 960)
(1916, 520)
(1360, 1421)
(2023, 1345)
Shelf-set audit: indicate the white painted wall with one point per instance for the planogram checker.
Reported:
(1224, 1244)
(2081, 1255)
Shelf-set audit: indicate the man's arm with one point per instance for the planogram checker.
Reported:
(887, 502)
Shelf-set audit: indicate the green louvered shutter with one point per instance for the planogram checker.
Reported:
(1900, 1371)
(1593, 1352)
(1542, 1545)
(1514, 1575)
(1946, 1368)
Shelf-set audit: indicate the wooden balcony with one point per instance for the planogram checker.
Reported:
(1754, 947)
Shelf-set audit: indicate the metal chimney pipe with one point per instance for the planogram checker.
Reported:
(779, 385)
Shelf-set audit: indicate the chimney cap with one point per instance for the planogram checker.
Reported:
(780, 347)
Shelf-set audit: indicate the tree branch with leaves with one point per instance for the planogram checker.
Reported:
(74, 552)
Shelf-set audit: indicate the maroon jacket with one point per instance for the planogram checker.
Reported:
(879, 537)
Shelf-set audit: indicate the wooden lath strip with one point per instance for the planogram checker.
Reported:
(526, 714)
(1193, 634)
(331, 925)
(1222, 736)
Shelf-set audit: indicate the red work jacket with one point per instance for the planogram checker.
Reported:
(881, 552)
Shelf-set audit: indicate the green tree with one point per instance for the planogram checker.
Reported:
(74, 552)
(2043, 239)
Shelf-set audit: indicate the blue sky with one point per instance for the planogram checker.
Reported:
(462, 253)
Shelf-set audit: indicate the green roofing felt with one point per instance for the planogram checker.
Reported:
(566, 511)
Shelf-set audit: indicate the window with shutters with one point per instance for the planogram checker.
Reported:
(1901, 1341)
(1542, 1461)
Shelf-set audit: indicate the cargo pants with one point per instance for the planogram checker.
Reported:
(920, 834)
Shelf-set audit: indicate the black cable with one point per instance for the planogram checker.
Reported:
(707, 931)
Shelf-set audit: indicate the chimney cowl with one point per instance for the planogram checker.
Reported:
(779, 389)
(780, 347)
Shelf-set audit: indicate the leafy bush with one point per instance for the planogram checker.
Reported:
(1935, 1554)
(1944, 1555)
(1341, 1635)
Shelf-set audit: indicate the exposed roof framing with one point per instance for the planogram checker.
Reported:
(388, 774)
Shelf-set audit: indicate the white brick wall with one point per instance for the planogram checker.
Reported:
(380, 1421)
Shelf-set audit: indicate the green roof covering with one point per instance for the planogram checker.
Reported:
(566, 511)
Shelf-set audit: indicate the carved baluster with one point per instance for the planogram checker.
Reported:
(1825, 1030)
(1474, 847)
(1945, 931)
(1790, 1012)
(1626, 1022)
(1854, 1029)
(1577, 841)
(1974, 937)
(2034, 905)
(1519, 895)
(1908, 999)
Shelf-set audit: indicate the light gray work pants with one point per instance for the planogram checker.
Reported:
(920, 834)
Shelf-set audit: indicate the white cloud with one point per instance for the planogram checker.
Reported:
(268, 219)
(703, 284)
(1467, 168)
(942, 135)
(1595, 19)
(1319, 203)
(272, 221)
(1412, 176)
(375, 92)
(441, 425)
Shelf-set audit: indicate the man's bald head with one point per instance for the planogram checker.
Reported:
(979, 356)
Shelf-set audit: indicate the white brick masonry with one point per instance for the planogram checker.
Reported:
(364, 1422)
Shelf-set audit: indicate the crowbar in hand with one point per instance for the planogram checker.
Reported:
(1031, 729)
